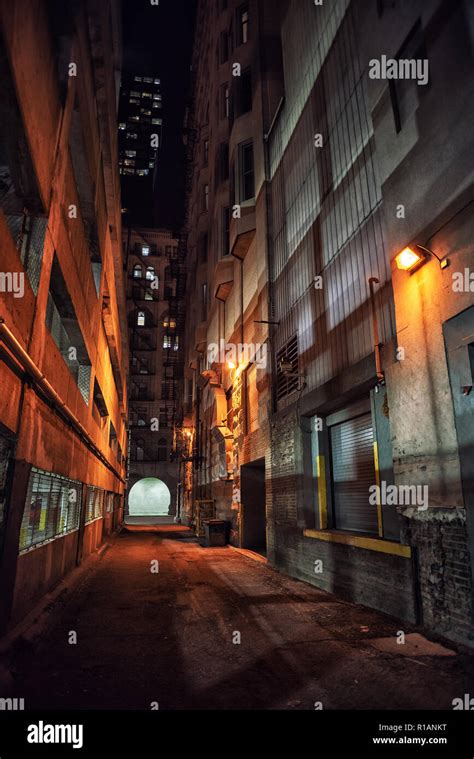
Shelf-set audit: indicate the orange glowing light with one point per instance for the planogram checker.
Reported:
(231, 365)
(408, 259)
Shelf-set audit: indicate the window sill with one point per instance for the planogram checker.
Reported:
(358, 541)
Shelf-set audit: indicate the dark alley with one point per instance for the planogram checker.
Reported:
(169, 639)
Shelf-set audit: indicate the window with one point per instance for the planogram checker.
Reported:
(246, 189)
(137, 271)
(243, 21)
(225, 231)
(405, 93)
(150, 273)
(99, 401)
(205, 198)
(169, 322)
(19, 194)
(251, 399)
(112, 437)
(223, 48)
(141, 321)
(62, 323)
(52, 508)
(225, 101)
(145, 250)
(204, 302)
(140, 450)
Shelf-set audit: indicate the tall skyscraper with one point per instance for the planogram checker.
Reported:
(140, 132)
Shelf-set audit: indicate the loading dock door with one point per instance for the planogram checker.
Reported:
(353, 473)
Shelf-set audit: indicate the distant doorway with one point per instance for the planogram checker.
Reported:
(149, 497)
(254, 515)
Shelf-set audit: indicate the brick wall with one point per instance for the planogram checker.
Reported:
(378, 580)
(444, 571)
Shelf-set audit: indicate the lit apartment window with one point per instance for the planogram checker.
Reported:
(167, 342)
(129, 162)
(148, 79)
(134, 101)
(141, 319)
(243, 24)
(130, 153)
(128, 172)
(134, 94)
(137, 271)
(122, 126)
(156, 81)
(157, 121)
(150, 273)
(134, 118)
(138, 79)
(132, 136)
(156, 104)
(145, 112)
(147, 94)
(145, 250)
(246, 178)
(143, 172)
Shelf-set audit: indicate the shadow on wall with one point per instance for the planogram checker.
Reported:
(149, 497)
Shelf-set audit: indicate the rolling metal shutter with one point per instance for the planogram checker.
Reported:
(353, 472)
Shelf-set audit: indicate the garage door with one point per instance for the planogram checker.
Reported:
(353, 472)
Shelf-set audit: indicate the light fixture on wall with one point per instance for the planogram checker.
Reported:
(412, 257)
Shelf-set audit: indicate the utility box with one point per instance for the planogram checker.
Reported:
(216, 533)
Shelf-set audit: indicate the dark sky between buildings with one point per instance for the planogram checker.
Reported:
(158, 42)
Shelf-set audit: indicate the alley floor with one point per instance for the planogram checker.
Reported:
(215, 629)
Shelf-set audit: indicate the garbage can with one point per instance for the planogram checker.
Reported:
(216, 532)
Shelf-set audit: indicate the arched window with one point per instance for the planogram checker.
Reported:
(150, 273)
(162, 449)
(137, 271)
(141, 319)
(140, 450)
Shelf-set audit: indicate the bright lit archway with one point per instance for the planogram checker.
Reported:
(149, 497)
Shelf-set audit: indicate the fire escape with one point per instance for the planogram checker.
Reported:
(143, 347)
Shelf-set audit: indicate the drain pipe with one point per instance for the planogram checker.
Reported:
(378, 360)
(40, 381)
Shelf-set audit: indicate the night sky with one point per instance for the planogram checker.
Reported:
(157, 42)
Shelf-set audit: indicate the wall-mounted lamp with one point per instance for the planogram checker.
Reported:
(411, 258)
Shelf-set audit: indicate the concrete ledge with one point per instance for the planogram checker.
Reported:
(370, 544)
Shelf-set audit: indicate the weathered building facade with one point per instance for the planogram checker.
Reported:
(236, 94)
(155, 306)
(361, 422)
(63, 349)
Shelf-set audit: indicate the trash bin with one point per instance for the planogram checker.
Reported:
(216, 532)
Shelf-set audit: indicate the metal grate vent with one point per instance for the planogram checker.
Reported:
(289, 354)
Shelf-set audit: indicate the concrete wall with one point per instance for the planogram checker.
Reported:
(47, 99)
